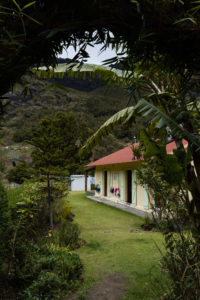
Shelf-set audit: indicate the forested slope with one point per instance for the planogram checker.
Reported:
(90, 101)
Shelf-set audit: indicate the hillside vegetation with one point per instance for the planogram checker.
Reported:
(90, 101)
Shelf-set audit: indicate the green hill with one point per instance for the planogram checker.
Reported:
(90, 101)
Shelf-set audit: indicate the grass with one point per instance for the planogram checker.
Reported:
(115, 242)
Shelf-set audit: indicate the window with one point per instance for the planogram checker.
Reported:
(115, 177)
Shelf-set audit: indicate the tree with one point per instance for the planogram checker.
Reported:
(55, 155)
(33, 33)
(19, 173)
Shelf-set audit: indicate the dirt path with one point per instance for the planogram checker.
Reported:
(112, 287)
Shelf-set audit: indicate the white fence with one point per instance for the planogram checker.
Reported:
(78, 182)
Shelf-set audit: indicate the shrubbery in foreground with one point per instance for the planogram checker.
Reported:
(33, 265)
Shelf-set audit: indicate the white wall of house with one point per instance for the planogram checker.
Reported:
(78, 182)
(117, 178)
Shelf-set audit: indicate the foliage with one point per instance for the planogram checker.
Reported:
(182, 262)
(25, 246)
(62, 210)
(68, 235)
(148, 223)
(55, 154)
(56, 273)
(33, 35)
(22, 223)
(124, 116)
(5, 232)
(19, 173)
(56, 143)
(31, 202)
(24, 114)
(173, 216)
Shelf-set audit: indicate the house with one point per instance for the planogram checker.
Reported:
(116, 179)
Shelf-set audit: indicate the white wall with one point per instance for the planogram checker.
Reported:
(78, 182)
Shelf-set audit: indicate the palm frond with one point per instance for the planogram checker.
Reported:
(122, 117)
(147, 108)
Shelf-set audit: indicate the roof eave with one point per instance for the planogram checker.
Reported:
(87, 168)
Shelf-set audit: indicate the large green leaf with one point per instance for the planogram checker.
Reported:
(123, 116)
(143, 108)
(147, 108)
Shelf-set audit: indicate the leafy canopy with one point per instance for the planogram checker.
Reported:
(57, 143)
(33, 33)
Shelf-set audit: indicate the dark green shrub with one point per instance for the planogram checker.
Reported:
(182, 263)
(19, 173)
(5, 240)
(58, 271)
(31, 266)
(5, 222)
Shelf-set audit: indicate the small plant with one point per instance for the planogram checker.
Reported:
(147, 220)
(61, 210)
(148, 224)
(57, 271)
(68, 235)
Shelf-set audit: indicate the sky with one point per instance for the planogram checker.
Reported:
(94, 52)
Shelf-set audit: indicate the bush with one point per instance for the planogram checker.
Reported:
(57, 272)
(5, 239)
(5, 222)
(61, 210)
(33, 266)
(182, 263)
(19, 173)
(68, 235)
(148, 223)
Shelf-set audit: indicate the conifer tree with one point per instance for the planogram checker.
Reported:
(55, 156)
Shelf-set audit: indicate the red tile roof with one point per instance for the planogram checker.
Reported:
(125, 155)
(171, 146)
(122, 156)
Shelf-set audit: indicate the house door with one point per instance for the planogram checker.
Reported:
(105, 183)
(129, 186)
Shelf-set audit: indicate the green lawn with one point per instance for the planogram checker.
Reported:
(115, 243)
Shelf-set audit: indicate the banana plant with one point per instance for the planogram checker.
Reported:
(145, 108)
